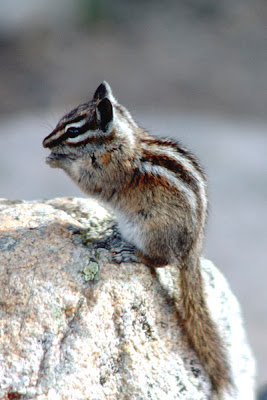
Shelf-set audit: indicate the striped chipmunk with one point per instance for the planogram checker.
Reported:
(157, 190)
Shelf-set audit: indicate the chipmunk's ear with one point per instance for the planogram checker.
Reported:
(104, 115)
(104, 90)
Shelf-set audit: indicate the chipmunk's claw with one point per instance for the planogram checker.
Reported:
(125, 253)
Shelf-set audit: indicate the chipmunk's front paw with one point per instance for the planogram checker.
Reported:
(125, 253)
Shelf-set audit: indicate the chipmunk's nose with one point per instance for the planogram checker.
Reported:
(53, 139)
(45, 143)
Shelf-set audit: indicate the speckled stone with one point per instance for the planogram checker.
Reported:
(74, 325)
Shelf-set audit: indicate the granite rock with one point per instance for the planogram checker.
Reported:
(74, 325)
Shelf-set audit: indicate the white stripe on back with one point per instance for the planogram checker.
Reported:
(172, 178)
(164, 150)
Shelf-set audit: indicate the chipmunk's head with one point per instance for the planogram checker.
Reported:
(89, 130)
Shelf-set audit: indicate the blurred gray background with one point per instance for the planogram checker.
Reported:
(191, 69)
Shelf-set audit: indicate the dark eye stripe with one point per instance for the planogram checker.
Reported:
(71, 132)
(98, 140)
(88, 126)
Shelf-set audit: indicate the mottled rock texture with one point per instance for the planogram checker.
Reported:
(74, 325)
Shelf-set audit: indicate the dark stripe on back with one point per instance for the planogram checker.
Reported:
(174, 145)
(145, 185)
(173, 166)
(143, 180)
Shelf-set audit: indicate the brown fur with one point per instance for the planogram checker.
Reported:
(200, 330)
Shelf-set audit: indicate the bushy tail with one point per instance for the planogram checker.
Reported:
(199, 328)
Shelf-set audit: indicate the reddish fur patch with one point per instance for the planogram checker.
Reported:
(143, 181)
(105, 158)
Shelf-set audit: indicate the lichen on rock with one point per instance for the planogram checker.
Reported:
(90, 271)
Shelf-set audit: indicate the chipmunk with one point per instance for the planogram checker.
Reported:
(157, 190)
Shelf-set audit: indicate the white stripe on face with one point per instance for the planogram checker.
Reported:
(55, 136)
(81, 137)
(58, 134)
(75, 124)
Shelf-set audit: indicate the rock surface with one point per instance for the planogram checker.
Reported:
(74, 325)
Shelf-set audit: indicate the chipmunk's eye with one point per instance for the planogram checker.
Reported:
(73, 132)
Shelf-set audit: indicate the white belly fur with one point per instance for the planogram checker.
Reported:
(130, 231)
